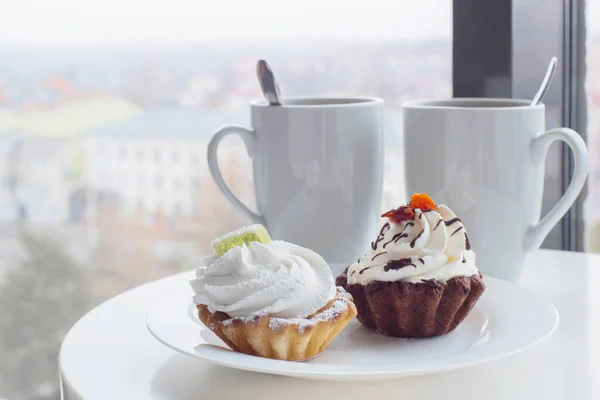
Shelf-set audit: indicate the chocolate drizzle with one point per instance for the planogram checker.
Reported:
(378, 254)
(398, 264)
(457, 229)
(380, 236)
(467, 244)
(438, 224)
(395, 238)
(453, 220)
(414, 241)
(464, 260)
(422, 262)
(400, 235)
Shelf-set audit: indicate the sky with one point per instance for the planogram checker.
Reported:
(84, 22)
(157, 21)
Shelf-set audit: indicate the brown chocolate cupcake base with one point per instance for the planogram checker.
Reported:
(414, 310)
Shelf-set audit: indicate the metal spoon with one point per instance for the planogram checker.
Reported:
(545, 83)
(268, 84)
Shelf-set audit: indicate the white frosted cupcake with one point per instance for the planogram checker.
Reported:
(276, 300)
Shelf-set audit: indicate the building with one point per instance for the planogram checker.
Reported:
(42, 161)
(153, 163)
(41, 179)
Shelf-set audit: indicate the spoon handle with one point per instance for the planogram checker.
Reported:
(268, 84)
(545, 83)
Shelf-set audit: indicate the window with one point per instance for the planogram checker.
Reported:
(158, 182)
(500, 50)
(103, 152)
(122, 154)
(177, 210)
(108, 181)
(197, 185)
(132, 89)
(177, 185)
(102, 178)
(591, 212)
(141, 180)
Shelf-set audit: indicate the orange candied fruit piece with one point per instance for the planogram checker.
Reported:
(407, 213)
(423, 202)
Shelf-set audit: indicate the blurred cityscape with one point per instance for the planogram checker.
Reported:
(103, 177)
(91, 137)
(103, 173)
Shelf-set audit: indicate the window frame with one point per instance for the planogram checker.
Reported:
(492, 57)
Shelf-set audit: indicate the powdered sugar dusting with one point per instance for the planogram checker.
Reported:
(337, 308)
(254, 317)
(279, 323)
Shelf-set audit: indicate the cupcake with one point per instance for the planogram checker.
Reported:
(268, 298)
(418, 279)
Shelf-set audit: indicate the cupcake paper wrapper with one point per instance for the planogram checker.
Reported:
(414, 310)
(291, 339)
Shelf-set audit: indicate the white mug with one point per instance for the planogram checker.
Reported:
(484, 158)
(318, 169)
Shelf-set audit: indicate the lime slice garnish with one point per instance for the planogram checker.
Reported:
(252, 233)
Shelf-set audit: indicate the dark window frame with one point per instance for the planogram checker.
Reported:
(500, 49)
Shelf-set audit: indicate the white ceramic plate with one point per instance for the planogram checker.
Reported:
(507, 319)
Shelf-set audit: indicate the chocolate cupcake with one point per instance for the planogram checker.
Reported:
(419, 278)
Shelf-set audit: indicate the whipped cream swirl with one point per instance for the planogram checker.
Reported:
(433, 245)
(281, 279)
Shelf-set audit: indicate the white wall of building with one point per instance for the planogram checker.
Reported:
(149, 175)
(42, 190)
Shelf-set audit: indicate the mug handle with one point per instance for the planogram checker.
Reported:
(537, 232)
(249, 138)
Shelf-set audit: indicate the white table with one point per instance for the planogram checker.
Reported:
(109, 354)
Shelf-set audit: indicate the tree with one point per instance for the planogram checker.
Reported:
(214, 214)
(41, 297)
